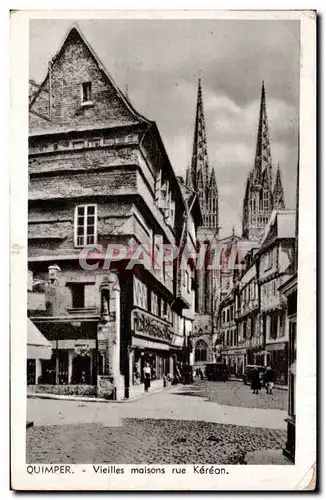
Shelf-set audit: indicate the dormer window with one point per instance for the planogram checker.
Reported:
(86, 92)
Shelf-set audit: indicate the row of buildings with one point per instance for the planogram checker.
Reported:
(242, 314)
(99, 178)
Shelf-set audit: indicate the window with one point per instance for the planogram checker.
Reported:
(201, 351)
(268, 261)
(154, 304)
(78, 295)
(169, 314)
(244, 335)
(78, 144)
(94, 143)
(224, 316)
(158, 255)
(252, 327)
(140, 294)
(159, 306)
(228, 316)
(164, 308)
(85, 225)
(282, 325)
(274, 324)
(86, 90)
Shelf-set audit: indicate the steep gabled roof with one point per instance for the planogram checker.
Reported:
(75, 31)
(281, 225)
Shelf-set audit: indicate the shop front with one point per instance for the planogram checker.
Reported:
(150, 346)
(75, 361)
(235, 359)
(277, 358)
(38, 349)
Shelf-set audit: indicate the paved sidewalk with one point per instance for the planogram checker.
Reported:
(167, 404)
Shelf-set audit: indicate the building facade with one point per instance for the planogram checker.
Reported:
(103, 199)
(276, 267)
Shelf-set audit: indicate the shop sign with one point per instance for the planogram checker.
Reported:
(105, 387)
(146, 325)
(275, 347)
(82, 348)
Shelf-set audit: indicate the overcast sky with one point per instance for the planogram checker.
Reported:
(160, 62)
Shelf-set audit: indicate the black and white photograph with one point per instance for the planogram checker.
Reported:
(163, 247)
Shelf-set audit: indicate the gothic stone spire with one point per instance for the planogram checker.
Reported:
(278, 193)
(199, 161)
(258, 201)
(263, 158)
(188, 182)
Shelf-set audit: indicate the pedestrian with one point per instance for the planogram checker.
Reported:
(147, 377)
(269, 379)
(201, 374)
(255, 381)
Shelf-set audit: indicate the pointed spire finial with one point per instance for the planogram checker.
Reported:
(233, 232)
(278, 192)
(263, 159)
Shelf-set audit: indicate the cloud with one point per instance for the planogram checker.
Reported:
(160, 62)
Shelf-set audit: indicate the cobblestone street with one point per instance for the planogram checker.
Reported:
(172, 426)
(236, 393)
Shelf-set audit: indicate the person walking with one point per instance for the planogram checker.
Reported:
(255, 381)
(147, 377)
(269, 379)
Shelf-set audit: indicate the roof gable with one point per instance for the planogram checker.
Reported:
(281, 225)
(58, 101)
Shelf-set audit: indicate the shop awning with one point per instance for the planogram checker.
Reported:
(276, 347)
(38, 347)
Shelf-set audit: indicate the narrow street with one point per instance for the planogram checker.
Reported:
(207, 422)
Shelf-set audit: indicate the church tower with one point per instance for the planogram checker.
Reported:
(201, 178)
(260, 197)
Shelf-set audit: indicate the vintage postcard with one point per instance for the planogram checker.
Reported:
(163, 180)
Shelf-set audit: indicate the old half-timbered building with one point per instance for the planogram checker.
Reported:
(99, 175)
(275, 268)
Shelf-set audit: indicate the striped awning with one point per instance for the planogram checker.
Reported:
(38, 347)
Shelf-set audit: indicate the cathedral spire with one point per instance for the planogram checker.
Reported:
(212, 181)
(259, 196)
(278, 193)
(188, 182)
(263, 159)
(199, 160)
